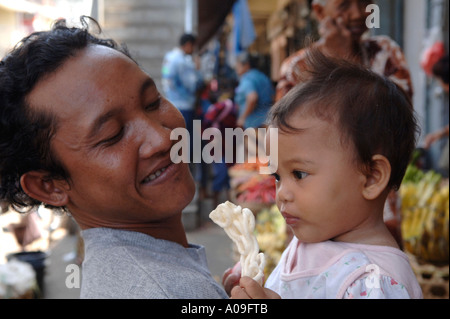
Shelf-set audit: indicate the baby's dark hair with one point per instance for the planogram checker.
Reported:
(25, 134)
(370, 110)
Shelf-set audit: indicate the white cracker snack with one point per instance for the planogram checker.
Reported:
(239, 225)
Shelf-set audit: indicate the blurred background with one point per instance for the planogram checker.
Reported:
(150, 28)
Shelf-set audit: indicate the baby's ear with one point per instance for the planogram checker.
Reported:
(377, 177)
(37, 185)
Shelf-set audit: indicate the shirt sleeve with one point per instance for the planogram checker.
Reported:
(376, 287)
(395, 67)
(290, 71)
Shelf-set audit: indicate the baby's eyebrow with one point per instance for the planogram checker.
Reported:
(300, 161)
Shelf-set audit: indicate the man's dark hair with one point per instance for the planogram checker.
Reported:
(247, 58)
(25, 133)
(370, 110)
(187, 38)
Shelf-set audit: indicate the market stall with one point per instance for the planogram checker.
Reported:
(424, 227)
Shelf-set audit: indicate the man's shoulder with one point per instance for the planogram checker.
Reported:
(173, 55)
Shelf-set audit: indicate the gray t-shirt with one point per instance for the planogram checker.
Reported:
(125, 264)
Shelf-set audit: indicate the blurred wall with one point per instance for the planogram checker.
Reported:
(149, 28)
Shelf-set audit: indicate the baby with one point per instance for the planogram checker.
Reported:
(345, 138)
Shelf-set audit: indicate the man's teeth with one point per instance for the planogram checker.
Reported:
(155, 175)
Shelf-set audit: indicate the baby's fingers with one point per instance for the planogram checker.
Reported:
(250, 289)
(239, 293)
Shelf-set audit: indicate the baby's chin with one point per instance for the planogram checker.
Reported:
(310, 238)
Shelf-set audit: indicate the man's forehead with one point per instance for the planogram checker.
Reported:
(85, 84)
(80, 76)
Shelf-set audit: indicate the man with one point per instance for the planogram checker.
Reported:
(84, 129)
(181, 78)
(342, 30)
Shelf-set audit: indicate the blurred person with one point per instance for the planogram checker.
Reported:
(182, 83)
(254, 97)
(254, 93)
(85, 130)
(440, 71)
(221, 114)
(342, 30)
(181, 78)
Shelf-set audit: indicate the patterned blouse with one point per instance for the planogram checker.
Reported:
(380, 53)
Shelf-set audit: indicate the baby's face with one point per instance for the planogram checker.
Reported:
(319, 184)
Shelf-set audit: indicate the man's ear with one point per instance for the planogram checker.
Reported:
(37, 185)
(377, 177)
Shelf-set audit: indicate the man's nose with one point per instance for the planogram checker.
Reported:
(155, 138)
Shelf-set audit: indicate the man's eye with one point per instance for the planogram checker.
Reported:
(277, 177)
(112, 140)
(154, 105)
(300, 174)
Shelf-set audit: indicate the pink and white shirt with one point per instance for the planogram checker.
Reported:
(329, 270)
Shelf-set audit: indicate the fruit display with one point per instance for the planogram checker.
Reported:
(251, 187)
(425, 215)
(257, 189)
(271, 235)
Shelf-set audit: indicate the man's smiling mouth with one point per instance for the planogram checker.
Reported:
(154, 175)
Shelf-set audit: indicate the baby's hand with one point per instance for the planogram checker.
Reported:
(250, 289)
(231, 278)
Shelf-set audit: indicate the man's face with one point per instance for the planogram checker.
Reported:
(188, 48)
(353, 13)
(113, 138)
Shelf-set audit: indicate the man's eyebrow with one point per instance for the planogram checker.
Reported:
(148, 83)
(101, 120)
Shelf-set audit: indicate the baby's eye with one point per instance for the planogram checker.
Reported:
(300, 174)
(277, 177)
